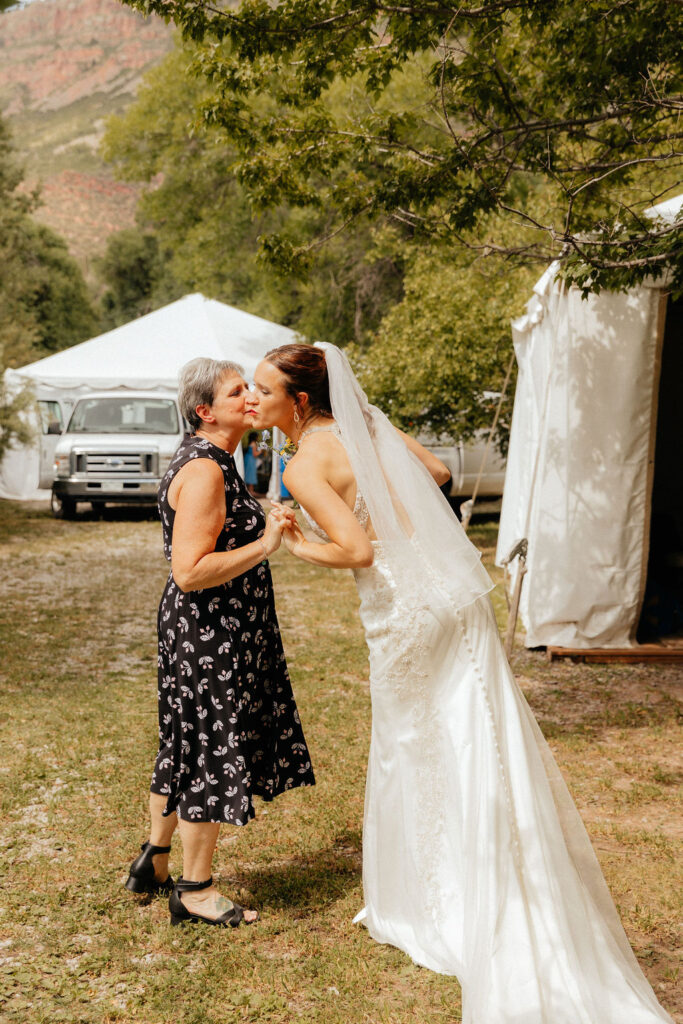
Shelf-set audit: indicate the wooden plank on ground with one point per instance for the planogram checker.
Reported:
(652, 654)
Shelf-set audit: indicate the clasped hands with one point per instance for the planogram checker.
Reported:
(282, 520)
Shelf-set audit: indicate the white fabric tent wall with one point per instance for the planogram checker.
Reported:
(145, 354)
(577, 475)
(20, 467)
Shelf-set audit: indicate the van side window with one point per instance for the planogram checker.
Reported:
(49, 412)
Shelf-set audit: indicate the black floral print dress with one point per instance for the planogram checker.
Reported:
(228, 723)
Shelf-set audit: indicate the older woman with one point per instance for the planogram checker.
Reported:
(228, 723)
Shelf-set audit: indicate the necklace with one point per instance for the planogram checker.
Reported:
(315, 429)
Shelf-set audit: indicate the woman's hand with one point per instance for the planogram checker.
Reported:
(293, 537)
(283, 512)
(272, 535)
(290, 530)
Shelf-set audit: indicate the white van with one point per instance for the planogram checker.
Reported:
(116, 448)
(464, 461)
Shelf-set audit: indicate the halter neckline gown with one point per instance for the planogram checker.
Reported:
(475, 860)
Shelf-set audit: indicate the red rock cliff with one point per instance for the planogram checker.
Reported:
(57, 51)
(65, 65)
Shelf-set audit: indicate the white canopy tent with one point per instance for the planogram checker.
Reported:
(145, 354)
(580, 471)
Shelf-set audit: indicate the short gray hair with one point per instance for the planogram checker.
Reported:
(197, 384)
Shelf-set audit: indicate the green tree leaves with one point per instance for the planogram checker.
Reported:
(374, 153)
(426, 356)
(44, 303)
(443, 350)
(134, 271)
(212, 230)
(579, 101)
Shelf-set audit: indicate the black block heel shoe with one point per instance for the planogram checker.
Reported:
(179, 912)
(141, 877)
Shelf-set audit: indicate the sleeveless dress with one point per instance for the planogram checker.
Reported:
(229, 727)
(475, 860)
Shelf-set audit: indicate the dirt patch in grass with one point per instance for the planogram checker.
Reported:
(78, 605)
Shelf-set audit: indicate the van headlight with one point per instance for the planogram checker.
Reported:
(62, 465)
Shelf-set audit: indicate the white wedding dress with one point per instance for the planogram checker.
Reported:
(475, 860)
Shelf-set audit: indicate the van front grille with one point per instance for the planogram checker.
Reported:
(116, 464)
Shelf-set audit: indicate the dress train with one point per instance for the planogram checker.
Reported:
(475, 860)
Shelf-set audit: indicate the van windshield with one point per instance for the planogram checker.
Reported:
(124, 416)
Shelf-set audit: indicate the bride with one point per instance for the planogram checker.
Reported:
(475, 860)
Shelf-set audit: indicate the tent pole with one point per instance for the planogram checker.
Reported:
(274, 491)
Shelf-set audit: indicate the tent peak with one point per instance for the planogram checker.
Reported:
(667, 210)
(151, 350)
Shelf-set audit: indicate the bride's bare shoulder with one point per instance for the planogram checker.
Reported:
(309, 459)
(317, 445)
(320, 456)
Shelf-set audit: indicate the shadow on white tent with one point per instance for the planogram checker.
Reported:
(594, 479)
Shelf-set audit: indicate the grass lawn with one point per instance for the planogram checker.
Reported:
(78, 720)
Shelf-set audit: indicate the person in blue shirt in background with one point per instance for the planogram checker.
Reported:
(284, 493)
(251, 458)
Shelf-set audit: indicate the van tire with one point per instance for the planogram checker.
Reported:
(62, 508)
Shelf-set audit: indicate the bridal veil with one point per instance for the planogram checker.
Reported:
(475, 859)
(423, 541)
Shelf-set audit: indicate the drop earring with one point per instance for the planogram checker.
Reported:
(296, 417)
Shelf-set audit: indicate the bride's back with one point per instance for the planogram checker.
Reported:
(321, 453)
(323, 458)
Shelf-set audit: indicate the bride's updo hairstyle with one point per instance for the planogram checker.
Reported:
(304, 369)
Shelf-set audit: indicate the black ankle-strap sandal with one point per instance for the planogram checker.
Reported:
(233, 916)
(141, 876)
